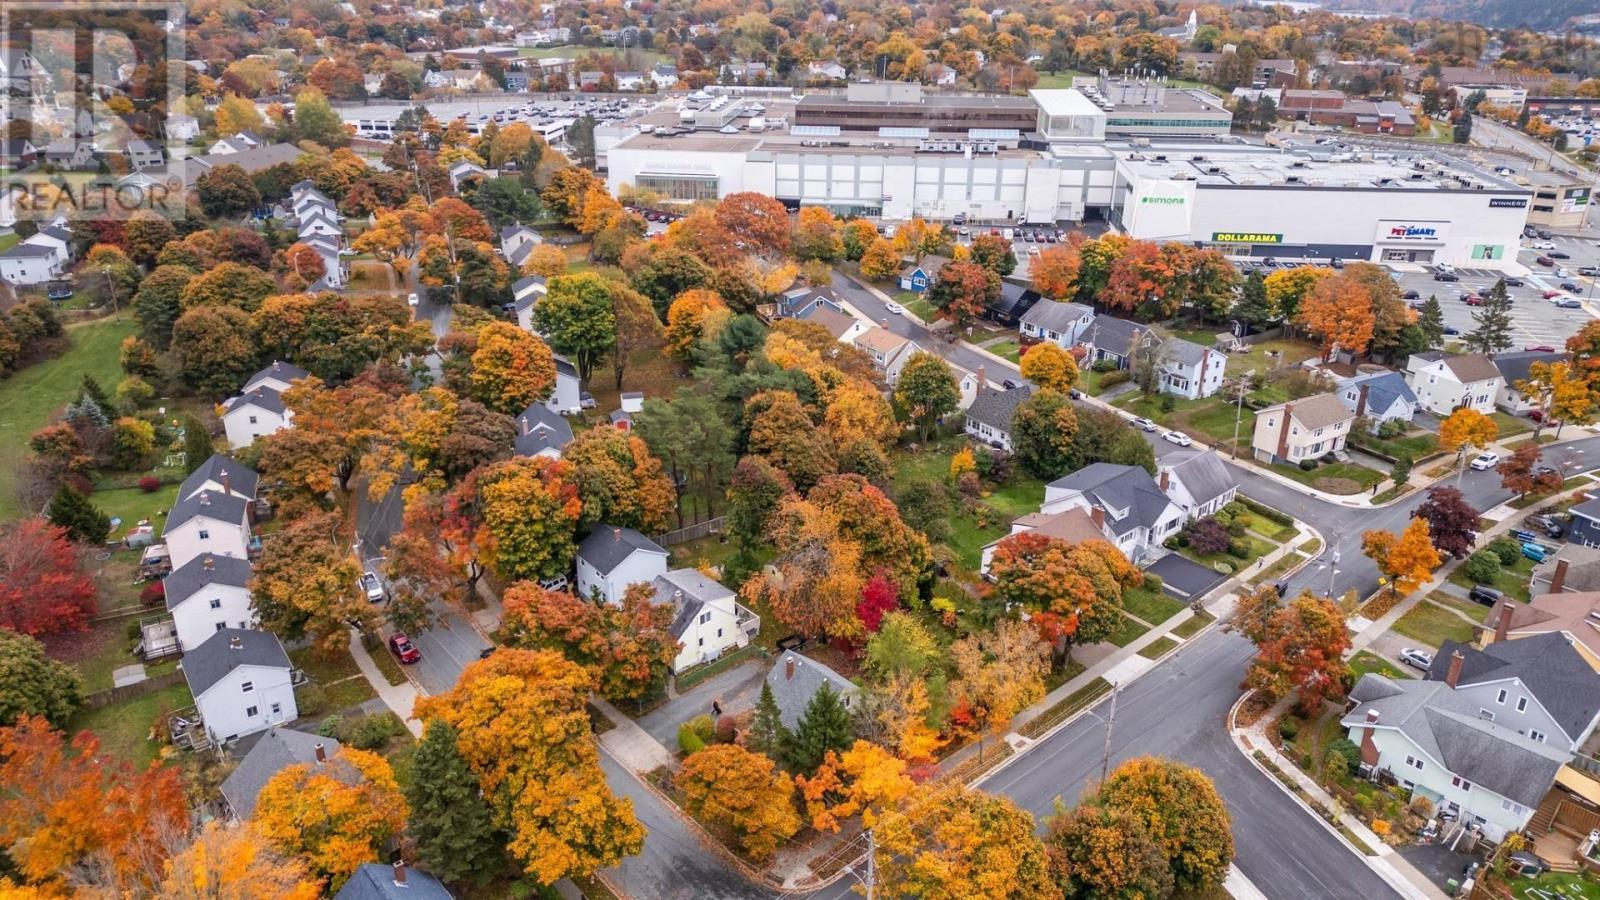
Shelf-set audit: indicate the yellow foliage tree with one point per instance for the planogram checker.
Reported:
(881, 261)
(1560, 392)
(687, 320)
(857, 412)
(234, 863)
(545, 260)
(1408, 561)
(334, 815)
(1466, 427)
(511, 368)
(727, 786)
(1048, 366)
(962, 463)
(865, 780)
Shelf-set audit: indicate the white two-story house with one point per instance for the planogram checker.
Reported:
(1189, 370)
(207, 522)
(206, 595)
(990, 414)
(1123, 500)
(221, 474)
(1197, 481)
(241, 682)
(256, 412)
(611, 558)
(710, 621)
(1308, 428)
(1444, 384)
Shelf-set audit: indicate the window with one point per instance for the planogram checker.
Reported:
(680, 187)
(702, 642)
(1536, 734)
(1456, 781)
(1522, 704)
(277, 709)
(1414, 762)
(1512, 807)
(205, 535)
(1486, 714)
(252, 711)
(247, 687)
(252, 420)
(221, 625)
(1500, 698)
(705, 617)
(719, 632)
(216, 602)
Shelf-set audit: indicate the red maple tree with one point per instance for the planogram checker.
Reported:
(43, 586)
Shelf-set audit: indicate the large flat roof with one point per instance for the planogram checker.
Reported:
(1064, 102)
(1228, 166)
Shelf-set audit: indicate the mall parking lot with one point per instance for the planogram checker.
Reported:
(1536, 321)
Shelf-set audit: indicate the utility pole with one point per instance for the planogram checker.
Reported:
(1333, 569)
(1238, 411)
(872, 862)
(1111, 720)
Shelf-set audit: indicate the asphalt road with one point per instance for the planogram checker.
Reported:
(958, 354)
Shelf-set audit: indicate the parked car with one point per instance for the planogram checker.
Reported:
(1513, 282)
(1144, 424)
(1550, 295)
(1571, 287)
(1535, 552)
(1417, 659)
(1538, 348)
(1486, 460)
(413, 300)
(1011, 384)
(404, 650)
(1446, 276)
(894, 308)
(1557, 254)
(1569, 303)
(372, 586)
(1589, 271)
(1482, 593)
(1336, 262)
(556, 584)
(1542, 245)
(1545, 261)
(1549, 526)
(1451, 329)
(1177, 437)
(1472, 299)
(1411, 295)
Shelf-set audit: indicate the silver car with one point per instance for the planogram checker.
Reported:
(1418, 659)
(373, 586)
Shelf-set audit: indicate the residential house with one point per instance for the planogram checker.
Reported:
(631, 81)
(665, 76)
(252, 160)
(1308, 428)
(544, 37)
(1062, 324)
(68, 153)
(1513, 367)
(1585, 525)
(17, 153)
(517, 241)
(1124, 500)
(206, 595)
(276, 750)
(541, 432)
(25, 264)
(516, 80)
(844, 327)
(940, 75)
(1444, 384)
(919, 276)
(1118, 340)
(1575, 568)
(709, 620)
(1573, 615)
(256, 412)
(525, 292)
(146, 155)
(1198, 481)
(221, 474)
(888, 351)
(1435, 742)
(744, 72)
(376, 881)
(566, 398)
(21, 73)
(611, 558)
(795, 679)
(238, 142)
(464, 170)
(989, 416)
(798, 302)
(1073, 525)
(632, 402)
(59, 241)
(1379, 397)
(828, 70)
(1189, 370)
(1013, 303)
(589, 80)
(241, 681)
(279, 375)
(207, 522)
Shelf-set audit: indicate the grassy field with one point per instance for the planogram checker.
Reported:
(648, 58)
(131, 505)
(1513, 579)
(7, 241)
(1261, 356)
(1127, 633)
(1416, 445)
(1007, 348)
(1334, 478)
(1062, 79)
(1157, 648)
(1572, 885)
(30, 397)
(914, 304)
(1475, 611)
(1433, 625)
(338, 677)
(1211, 416)
(1509, 424)
(1258, 548)
(1152, 606)
(1192, 625)
(124, 728)
(1368, 662)
(968, 535)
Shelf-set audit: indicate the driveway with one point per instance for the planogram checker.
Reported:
(1184, 578)
(736, 690)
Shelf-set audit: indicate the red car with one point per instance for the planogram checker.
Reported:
(404, 650)
(1539, 348)
(1551, 295)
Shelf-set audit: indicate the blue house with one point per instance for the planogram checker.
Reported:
(920, 276)
(1585, 527)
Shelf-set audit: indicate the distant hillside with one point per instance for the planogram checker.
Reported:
(1537, 14)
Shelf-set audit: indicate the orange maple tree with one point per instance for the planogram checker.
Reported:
(1339, 310)
(333, 815)
(1055, 271)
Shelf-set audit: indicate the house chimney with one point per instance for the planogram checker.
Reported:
(788, 668)
(983, 380)
(1361, 399)
(1502, 625)
(209, 563)
(1097, 515)
(236, 643)
(227, 483)
(524, 423)
(1454, 674)
(1559, 579)
(1369, 747)
(1166, 479)
(616, 534)
(400, 872)
(321, 751)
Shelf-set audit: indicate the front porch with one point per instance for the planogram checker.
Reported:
(1560, 828)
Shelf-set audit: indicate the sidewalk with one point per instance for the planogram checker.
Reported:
(913, 317)
(401, 698)
(1389, 865)
(630, 744)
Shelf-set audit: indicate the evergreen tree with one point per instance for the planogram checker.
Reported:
(824, 726)
(92, 389)
(83, 521)
(580, 137)
(450, 821)
(1431, 320)
(767, 733)
(197, 446)
(1494, 321)
(1463, 130)
(1254, 307)
(1244, 114)
(1266, 113)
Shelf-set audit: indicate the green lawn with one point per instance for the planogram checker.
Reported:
(30, 397)
(1154, 607)
(1018, 497)
(1127, 633)
(1334, 478)
(1062, 79)
(573, 51)
(124, 728)
(1477, 611)
(1258, 547)
(337, 676)
(1513, 579)
(1261, 360)
(7, 241)
(1157, 648)
(1368, 662)
(1433, 625)
(1212, 416)
(1572, 885)
(1006, 348)
(916, 305)
(1416, 445)
(1089, 381)
(131, 504)
(1193, 624)
(1509, 424)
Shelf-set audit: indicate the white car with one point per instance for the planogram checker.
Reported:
(1177, 437)
(1144, 424)
(1033, 251)
(1542, 245)
(894, 309)
(1486, 460)
(372, 587)
(413, 300)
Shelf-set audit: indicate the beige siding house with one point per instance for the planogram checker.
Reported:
(1308, 428)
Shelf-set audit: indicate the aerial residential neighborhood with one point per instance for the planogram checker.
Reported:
(1068, 449)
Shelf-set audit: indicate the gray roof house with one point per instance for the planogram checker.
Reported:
(279, 374)
(376, 881)
(1118, 340)
(795, 679)
(277, 749)
(227, 650)
(1379, 396)
(206, 569)
(1197, 480)
(1060, 323)
(611, 558)
(1514, 368)
(1124, 499)
(989, 416)
(1546, 665)
(1190, 370)
(540, 430)
(709, 619)
(222, 473)
(212, 504)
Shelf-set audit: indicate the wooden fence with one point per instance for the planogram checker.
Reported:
(692, 532)
(138, 689)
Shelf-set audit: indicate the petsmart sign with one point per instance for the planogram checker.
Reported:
(1396, 231)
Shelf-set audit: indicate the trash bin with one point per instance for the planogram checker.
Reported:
(1451, 886)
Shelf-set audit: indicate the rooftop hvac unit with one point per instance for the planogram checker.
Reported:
(1292, 179)
(1160, 157)
(1197, 158)
(1298, 164)
(1213, 170)
(1416, 176)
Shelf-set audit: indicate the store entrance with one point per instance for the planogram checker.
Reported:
(1408, 255)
